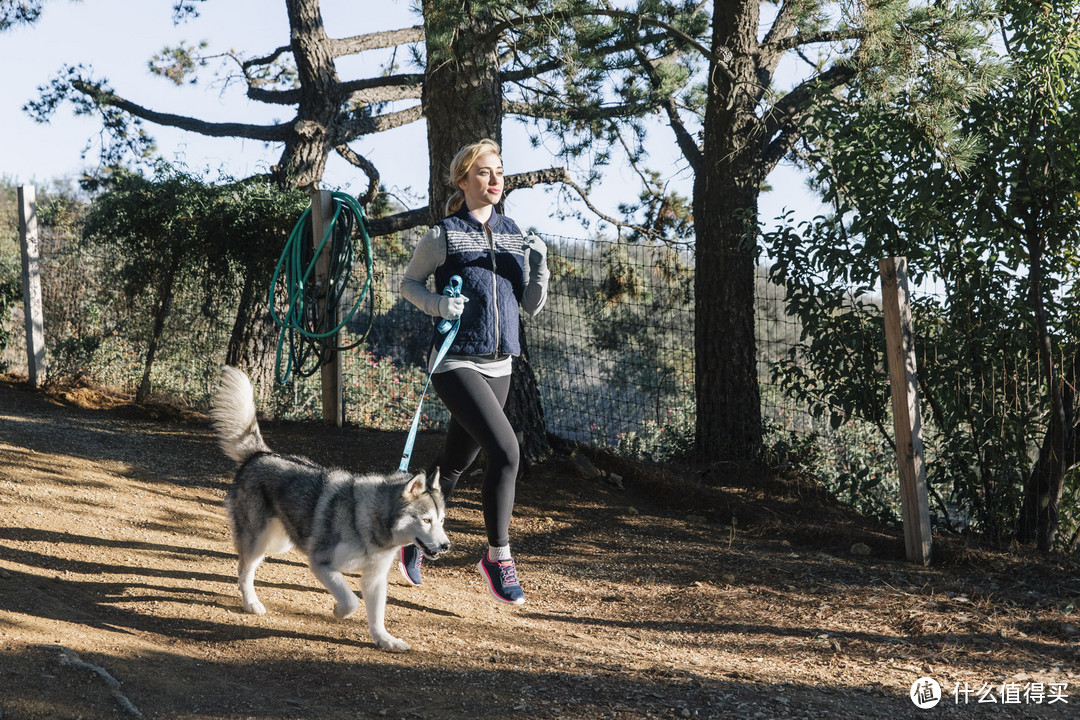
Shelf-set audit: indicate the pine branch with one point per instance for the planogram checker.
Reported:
(824, 36)
(603, 112)
(769, 55)
(405, 86)
(533, 71)
(784, 121)
(683, 137)
(560, 175)
(274, 97)
(267, 133)
(420, 217)
(269, 59)
(547, 176)
(782, 38)
(371, 125)
(522, 21)
(783, 26)
(397, 222)
(376, 41)
(368, 169)
(631, 156)
(386, 94)
(555, 63)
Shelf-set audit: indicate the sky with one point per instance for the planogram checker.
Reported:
(117, 38)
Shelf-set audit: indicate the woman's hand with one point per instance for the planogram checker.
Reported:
(537, 251)
(451, 307)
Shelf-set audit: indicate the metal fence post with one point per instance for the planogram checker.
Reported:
(900, 351)
(31, 285)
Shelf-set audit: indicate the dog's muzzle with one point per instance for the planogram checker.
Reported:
(430, 552)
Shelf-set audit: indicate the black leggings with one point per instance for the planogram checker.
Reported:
(478, 421)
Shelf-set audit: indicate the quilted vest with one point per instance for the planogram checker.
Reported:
(491, 262)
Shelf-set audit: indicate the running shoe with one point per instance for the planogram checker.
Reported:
(409, 564)
(501, 577)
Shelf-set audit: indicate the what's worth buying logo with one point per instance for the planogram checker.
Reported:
(925, 693)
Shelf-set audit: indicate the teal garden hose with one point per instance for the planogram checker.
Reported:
(311, 322)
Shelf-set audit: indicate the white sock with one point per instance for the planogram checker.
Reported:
(499, 553)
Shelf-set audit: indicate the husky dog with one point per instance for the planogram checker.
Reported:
(342, 522)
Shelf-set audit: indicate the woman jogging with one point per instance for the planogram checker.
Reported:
(500, 270)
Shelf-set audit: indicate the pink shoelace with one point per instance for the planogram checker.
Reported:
(508, 572)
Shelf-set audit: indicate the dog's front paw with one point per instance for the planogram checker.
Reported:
(346, 609)
(255, 607)
(393, 644)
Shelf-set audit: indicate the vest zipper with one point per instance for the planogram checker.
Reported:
(494, 284)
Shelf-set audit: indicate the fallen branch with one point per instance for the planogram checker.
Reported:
(69, 658)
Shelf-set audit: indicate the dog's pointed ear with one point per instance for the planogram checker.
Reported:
(433, 481)
(415, 487)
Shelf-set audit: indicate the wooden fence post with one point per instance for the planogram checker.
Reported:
(322, 209)
(31, 285)
(900, 351)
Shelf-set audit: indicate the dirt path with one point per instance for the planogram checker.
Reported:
(114, 553)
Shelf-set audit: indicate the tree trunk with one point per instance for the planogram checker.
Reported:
(462, 94)
(1040, 512)
(1041, 509)
(315, 132)
(253, 342)
(314, 135)
(725, 204)
(165, 300)
(524, 409)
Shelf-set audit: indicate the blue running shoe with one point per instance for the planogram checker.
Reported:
(409, 564)
(501, 577)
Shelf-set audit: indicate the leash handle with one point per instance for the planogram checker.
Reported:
(450, 329)
(452, 290)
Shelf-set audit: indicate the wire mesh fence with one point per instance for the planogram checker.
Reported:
(612, 349)
(96, 332)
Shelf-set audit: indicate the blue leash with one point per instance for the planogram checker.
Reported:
(450, 329)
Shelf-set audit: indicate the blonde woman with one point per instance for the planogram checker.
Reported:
(501, 271)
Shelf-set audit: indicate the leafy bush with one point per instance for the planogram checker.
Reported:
(10, 296)
(73, 359)
(669, 439)
(383, 395)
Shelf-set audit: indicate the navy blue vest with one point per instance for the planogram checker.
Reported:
(491, 263)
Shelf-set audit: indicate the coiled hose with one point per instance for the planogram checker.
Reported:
(310, 326)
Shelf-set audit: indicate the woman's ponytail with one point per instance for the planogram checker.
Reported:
(460, 166)
(455, 201)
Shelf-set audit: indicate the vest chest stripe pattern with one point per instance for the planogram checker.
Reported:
(468, 242)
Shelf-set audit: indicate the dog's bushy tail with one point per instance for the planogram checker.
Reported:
(233, 416)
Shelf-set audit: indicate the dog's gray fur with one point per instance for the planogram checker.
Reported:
(341, 521)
